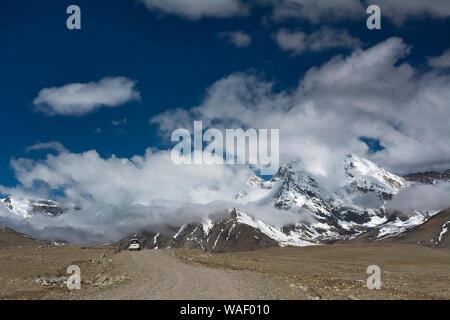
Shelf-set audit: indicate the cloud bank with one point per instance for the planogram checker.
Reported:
(422, 197)
(120, 196)
(82, 98)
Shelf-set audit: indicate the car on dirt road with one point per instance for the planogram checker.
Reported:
(134, 245)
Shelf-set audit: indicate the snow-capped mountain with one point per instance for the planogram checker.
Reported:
(26, 208)
(433, 232)
(355, 208)
(431, 177)
(319, 215)
(237, 232)
(365, 176)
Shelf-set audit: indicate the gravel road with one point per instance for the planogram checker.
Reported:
(156, 274)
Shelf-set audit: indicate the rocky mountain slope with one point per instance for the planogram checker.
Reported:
(430, 177)
(433, 233)
(238, 232)
(11, 238)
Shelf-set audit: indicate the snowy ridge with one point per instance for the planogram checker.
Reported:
(25, 208)
(369, 173)
(355, 208)
(443, 231)
(291, 239)
(398, 226)
(19, 207)
(366, 176)
(299, 189)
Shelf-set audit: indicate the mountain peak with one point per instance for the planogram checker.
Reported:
(289, 168)
(27, 207)
(368, 174)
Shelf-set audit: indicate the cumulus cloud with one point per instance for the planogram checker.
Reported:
(369, 93)
(422, 197)
(238, 38)
(297, 42)
(442, 61)
(196, 9)
(82, 98)
(120, 196)
(139, 179)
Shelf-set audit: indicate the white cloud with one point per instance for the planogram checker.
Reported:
(336, 10)
(422, 197)
(367, 93)
(316, 11)
(442, 61)
(324, 39)
(88, 177)
(238, 38)
(370, 93)
(196, 9)
(398, 11)
(291, 41)
(83, 98)
(119, 196)
(53, 145)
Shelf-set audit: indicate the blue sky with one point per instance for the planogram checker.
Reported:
(173, 59)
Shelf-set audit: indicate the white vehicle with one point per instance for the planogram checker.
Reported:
(134, 245)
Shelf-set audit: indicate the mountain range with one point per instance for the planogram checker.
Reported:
(357, 211)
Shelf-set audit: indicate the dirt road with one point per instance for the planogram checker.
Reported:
(159, 275)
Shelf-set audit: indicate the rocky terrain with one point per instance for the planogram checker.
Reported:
(12, 238)
(38, 271)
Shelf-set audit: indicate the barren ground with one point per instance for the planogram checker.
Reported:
(321, 272)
